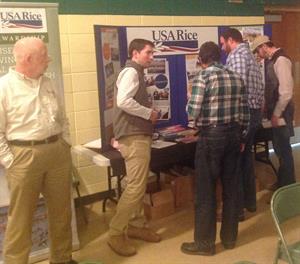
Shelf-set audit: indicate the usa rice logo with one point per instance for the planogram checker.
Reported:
(22, 21)
(175, 40)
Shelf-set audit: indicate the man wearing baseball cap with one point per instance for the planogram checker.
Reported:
(279, 106)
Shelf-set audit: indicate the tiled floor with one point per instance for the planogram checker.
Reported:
(256, 242)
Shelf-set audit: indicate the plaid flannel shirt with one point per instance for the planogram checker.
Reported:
(242, 61)
(218, 97)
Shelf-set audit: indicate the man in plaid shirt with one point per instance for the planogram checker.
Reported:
(219, 105)
(241, 60)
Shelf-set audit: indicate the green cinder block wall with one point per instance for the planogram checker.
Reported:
(157, 7)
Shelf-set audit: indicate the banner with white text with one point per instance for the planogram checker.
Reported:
(19, 20)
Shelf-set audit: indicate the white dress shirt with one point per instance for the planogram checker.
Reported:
(128, 85)
(29, 110)
(283, 71)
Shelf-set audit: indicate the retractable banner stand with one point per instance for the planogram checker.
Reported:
(170, 76)
(19, 20)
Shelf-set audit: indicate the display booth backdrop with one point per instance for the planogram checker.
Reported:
(170, 75)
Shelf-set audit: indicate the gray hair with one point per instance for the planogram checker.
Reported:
(26, 46)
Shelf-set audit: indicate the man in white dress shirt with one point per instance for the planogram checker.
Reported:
(35, 150)
(133, 119)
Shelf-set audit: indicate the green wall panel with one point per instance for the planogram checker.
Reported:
(158, 7)
(282, 2)
(163, 7)
(84, 6)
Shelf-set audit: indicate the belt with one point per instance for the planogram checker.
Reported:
(34, 142)
(225, 125)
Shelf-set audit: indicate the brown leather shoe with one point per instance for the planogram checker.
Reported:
(68, 262)
(193, 249)
(121, 245)
(143, 233)
(272, 186)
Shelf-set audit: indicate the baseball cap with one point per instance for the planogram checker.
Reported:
(259, 41)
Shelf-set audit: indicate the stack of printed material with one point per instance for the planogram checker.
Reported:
(170, 133)
(190, 135)
(177, 133)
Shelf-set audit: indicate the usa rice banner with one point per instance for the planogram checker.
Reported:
(30, 21)
(19, 20)
(16, 23)
(174, 40)
(173, 46)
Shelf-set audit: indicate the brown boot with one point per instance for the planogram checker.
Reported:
(121, 245)
(143, 233)
(68, 262)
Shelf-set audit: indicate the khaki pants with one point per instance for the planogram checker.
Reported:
(136, 150)
(39, 169)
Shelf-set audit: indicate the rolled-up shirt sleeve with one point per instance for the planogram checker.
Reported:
(195, 102)
(128, 85)
(6, 156)
(283, 70)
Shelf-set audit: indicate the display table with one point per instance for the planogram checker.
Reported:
(161, 159)
(261, 141)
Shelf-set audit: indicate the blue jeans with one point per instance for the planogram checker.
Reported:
(247, 183)
(283, 150)
(217, 155)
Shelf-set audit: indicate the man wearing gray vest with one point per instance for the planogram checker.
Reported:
(133, 119)
(279, 107)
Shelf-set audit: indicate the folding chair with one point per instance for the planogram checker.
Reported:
(285, 205)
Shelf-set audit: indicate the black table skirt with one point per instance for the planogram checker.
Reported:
(164, 158)
(161, 159)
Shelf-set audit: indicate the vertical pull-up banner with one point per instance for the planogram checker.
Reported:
(19, 20)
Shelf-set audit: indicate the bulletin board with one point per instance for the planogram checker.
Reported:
(170, 75)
